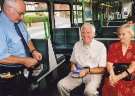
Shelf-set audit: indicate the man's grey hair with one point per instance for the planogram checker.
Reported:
(90, 26)
(10, 3)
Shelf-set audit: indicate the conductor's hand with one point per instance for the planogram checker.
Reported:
(30, 62)
(37, 55)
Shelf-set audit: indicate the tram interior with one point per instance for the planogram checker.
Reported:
(54, 26)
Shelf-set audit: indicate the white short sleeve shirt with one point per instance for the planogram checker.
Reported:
(92, 55)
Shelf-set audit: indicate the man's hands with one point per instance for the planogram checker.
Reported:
(36, 55)
(81, 72)
(84, 72)
(31, 62)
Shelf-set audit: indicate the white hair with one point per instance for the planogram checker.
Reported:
(127, 26)
(11, 3)
(90, 26)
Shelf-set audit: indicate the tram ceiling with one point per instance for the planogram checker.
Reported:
(106, 0)
(71, 1)
(60, 1)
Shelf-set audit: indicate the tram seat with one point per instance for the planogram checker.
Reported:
(64, 39)
(109, 35)
(79, 91)
(77, 25)
(115, 23)
(109, 31)
(109, 28)
(107, 42)
(42, 46)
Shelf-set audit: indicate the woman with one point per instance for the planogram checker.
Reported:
(122, 51)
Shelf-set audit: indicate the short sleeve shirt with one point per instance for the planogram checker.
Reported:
(10, 42)
(92, 55)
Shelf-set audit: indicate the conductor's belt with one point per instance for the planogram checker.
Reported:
(9, 75)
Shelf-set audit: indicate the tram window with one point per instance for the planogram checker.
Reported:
(88, 14)
(36, 6)
(62, 16)
(87, 11)
(1, 3)
(77, 7)
(78, 17)
(77, 12)
(36, 19)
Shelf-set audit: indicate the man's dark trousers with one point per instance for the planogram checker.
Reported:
(16, 86)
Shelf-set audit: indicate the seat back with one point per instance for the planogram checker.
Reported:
(42, 46)
(64, 39)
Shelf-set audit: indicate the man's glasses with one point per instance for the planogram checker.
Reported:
(19, 13)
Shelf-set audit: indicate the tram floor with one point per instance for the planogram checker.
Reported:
(49, 91)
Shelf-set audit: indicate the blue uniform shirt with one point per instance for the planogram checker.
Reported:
(10, 42)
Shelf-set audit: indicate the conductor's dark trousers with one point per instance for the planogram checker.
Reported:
(14, 86)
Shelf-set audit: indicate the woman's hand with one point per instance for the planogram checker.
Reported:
(114, 79)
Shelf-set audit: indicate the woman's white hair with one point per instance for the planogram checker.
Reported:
(90, 26)
(127, 26)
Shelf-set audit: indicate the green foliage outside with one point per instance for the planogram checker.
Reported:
(35, 18)
(86, 1)
(28, 19)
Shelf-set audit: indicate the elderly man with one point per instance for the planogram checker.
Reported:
(88, 60)
(15, 46)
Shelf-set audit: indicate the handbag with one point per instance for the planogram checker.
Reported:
(121, 67)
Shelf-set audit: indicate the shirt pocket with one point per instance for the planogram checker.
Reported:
(15, 44)
(15, 39)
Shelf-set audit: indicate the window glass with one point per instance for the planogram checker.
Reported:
(0, 7)
(61, 7)
(62, 16)
(77, 7)
(37, 21)
(77, 12)
(87, 14)
(35, 6)
(87, 11)
(78, 17)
